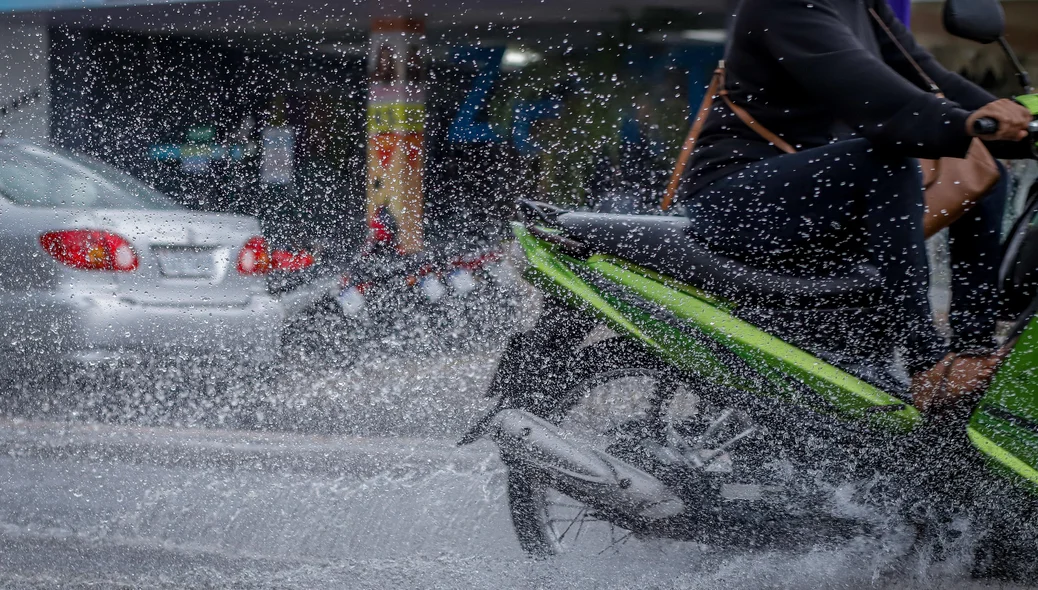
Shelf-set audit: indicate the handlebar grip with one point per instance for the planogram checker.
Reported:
(985, 126)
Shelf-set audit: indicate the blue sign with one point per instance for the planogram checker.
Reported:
(466, 127)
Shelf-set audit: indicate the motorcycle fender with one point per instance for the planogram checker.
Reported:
(598, 479)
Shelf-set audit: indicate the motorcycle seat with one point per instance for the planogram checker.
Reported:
(663, 244)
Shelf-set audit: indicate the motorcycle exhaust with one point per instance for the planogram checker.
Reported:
(595, 478)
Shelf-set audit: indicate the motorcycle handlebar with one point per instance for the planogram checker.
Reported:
(985, 126)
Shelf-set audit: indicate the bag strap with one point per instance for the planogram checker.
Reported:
(693, 135)
(754, 124)
(715, 89)
(934, 88)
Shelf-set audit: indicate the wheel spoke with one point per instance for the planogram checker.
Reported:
(717, 452)
(714, 426)
(561, 505)
(573, 520)
(576, 537)
(621, 541)
(571, 523)
(660, 387)
(589, 517)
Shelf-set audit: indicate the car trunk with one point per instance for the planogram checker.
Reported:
(187, 258)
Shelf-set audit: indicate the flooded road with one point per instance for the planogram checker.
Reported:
(348, 477)
(120, 501)
(87, 506)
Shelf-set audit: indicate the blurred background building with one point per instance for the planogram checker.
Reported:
(259, 106)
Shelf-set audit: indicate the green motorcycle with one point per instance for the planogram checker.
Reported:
(668, 391)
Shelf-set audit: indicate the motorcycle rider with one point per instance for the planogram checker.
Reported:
(819, 75)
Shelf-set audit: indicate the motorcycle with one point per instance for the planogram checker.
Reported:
(667, 391)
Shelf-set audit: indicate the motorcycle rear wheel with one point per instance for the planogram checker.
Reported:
(615, 392)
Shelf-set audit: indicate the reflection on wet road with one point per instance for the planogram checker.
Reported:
(89, 506)
(189, 498)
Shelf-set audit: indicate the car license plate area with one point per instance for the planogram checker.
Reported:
(185, 262)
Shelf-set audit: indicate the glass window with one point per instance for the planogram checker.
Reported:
(38, 177)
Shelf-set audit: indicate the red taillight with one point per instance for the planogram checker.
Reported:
(254, 258)
(477, 261)
(90, 250)
(285, 260)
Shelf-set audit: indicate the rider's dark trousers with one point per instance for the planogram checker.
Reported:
(847, 198)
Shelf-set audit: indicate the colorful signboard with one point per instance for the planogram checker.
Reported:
(396, 128)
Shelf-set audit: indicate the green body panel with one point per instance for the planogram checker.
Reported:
(771, 357)
(836, 391)
(1005, 424)
(664, 280)
(1030, 101)
(553, 273)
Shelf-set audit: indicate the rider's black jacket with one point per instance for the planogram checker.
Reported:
(817, 71)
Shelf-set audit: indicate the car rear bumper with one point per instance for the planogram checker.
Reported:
(52, 327)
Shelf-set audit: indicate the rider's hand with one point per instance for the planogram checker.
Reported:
(1012, 118)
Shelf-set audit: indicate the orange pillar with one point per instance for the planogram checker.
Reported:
(396, 127)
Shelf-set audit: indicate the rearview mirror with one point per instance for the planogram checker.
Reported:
(977, 20)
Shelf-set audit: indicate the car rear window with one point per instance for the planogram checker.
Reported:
(38, 177)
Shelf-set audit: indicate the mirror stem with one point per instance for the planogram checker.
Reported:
(1021, 73)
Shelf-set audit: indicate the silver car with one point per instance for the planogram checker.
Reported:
(94, 265)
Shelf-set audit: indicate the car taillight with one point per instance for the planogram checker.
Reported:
(254, 258)
(89, 249)
(285, 260)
